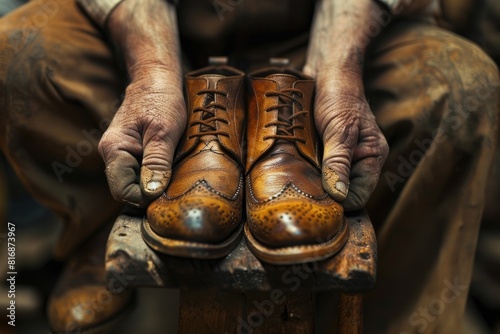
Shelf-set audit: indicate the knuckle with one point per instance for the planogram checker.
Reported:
(342, 130)
(332, 112)
(340, 164)
(116, 194)
(354, 201)
(384, 148)
(108, 142)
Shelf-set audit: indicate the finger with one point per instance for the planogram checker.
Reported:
(368, 160)
(153, 182)
(157, 165)
(364, 179)
(339, 143)
(159, 149)
(120, 153)
(122, 174)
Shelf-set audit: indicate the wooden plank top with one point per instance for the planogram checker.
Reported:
(130, 261)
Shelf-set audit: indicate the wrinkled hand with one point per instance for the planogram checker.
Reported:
(354, 147)
(138, 147)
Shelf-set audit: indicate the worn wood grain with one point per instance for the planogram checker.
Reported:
(216, 311)
(210, 311)
(350, 314)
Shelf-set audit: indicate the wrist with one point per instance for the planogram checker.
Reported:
(344, 63)
(146, 35)
(154, 80)
(150, 69)
(341, 33)
(335, 82)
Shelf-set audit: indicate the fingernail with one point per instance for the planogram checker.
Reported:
(332, 184)
(341, 186)
(154, 181)
(153, 185)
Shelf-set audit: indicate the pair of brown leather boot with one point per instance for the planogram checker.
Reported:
(275, 173)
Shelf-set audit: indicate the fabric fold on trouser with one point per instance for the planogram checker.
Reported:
(435, 97)
(59, 89)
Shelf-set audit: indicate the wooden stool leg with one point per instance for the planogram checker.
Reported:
(209, 311)
(270, 312)
(350, 313)
(277, 311)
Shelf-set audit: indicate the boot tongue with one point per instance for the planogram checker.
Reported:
(283, 80)
(212, 79)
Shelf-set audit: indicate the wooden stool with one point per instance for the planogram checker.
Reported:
(239, 294)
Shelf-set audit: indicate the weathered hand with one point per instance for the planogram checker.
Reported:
(139, 145)
(354, 147)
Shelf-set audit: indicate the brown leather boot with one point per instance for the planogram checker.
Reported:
(82, 301)
(290, 217)
(200, 213)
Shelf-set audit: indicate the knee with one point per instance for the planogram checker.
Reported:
(25, 72)
(21, 70)
(470, 114)
(33, 40)
(478, 81)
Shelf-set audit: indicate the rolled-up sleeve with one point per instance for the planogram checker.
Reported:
(98, 10)
(413, 7)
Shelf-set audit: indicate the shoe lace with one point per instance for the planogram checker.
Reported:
(208, 119)
(284, 124)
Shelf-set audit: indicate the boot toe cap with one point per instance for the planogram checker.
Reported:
(203, 216)
(285, 221)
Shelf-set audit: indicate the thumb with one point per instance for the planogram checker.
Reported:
(337, 155)
(335, 183)
(154, 182)
(156, 167)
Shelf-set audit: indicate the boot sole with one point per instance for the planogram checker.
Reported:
(298, 254)
(190, 249)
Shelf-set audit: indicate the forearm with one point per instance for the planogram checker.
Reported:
(342, 30)
(414, 8)
(340, 35)
(146, 34)
(335, 58)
